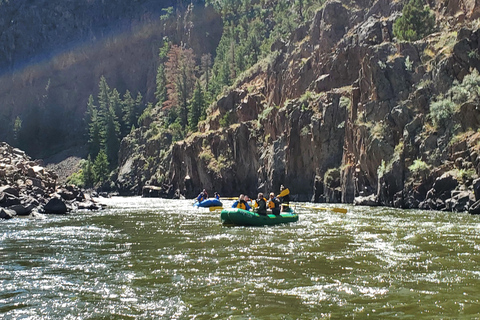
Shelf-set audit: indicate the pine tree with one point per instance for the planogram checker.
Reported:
(100, 167)
(88, 173)
(197, 106)
(206, 65)
(129, 112)
(115, 102)
(139, 105)
(416, 22)
(103, 96)
(112, 134)
(161, 82)
(94, 128)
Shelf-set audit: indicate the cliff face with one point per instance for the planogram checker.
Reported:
(342, 112)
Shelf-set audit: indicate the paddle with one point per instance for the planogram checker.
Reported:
(334, 209)
(339, 210)
(283, 193)
(215, 209)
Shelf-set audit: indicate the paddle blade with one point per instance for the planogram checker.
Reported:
(215, 209)
(339, 210)
(284, 193)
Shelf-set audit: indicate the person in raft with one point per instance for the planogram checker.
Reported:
(284, 197)
(274, 204)
(261, 205)
(248, 200)
(217, 196)
(202, 196)
(241, 203)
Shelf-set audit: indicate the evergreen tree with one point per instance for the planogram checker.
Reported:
(161, 82)
(100, 167)
(197, 106)
(88, 173)
(416, 22)
(94, 128)
(206, 65)
(112, 134)
(129, 112)
(115, 102)
(103, 98)
(139, 106)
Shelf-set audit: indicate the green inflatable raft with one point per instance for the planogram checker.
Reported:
(242, 217)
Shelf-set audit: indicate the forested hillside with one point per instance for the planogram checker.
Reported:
(55, 52)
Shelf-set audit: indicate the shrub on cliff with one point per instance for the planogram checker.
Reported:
(441, 112)
(416, 22)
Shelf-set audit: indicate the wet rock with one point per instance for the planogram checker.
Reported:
(370, 201)
(7, 213)
(445, 183)
(7, 200)
(460, 201)
(474, 208)
(10, 190)
(56, 206)
(88, 205)
(21, 210)
(476, 188)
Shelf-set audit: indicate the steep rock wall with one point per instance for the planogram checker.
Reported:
(340, 112)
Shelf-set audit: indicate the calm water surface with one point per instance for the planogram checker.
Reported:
(163, 259)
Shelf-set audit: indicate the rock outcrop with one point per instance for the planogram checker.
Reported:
(342, 112)
(27, 188)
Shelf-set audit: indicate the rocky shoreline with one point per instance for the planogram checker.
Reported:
(29, 189)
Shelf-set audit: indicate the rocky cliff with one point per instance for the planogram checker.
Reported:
(342, 112)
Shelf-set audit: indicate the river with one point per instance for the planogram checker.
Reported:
(164, 259)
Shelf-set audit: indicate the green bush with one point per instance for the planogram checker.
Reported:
(419, 166)
(331, 179)
(77, 179)
(226, 121)
(441, 111)
(416, 22)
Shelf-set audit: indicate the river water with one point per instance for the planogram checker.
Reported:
(164, 259)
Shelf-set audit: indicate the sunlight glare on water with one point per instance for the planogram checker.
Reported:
(164, 259)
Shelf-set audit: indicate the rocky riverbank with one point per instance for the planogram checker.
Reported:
(29, 189)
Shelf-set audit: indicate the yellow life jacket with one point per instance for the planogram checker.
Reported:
(241, 205)
(256, 202)
(271, 204)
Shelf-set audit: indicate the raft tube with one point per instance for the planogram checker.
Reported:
(209, 203)
(248, 218)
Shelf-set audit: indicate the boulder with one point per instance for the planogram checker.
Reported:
(459, 202)
(7, 200)
(56, 206)
(474, 208)
(476, 189)
(10, 190)
(7, 213)
(445, 183)
(370, 200)
(88, 205)
(21, 210)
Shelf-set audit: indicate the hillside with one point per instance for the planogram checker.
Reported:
(340, 112)
(54, 53)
